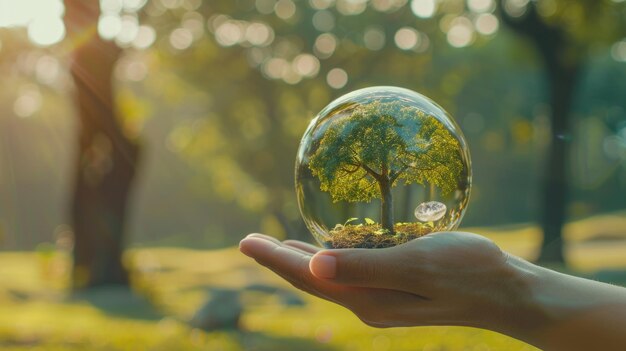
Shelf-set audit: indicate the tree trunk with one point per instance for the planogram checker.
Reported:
(562, 60)
(106, 159)
(562, 82)
(386, 206)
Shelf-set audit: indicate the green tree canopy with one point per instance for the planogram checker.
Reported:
(367, 152)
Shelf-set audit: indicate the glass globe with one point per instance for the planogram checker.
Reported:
(381, 166)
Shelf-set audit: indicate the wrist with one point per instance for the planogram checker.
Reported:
(540, 306)
(518, 307)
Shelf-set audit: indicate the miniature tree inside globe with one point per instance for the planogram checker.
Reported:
(379, 167)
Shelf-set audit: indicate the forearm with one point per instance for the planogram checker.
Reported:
(557, 312)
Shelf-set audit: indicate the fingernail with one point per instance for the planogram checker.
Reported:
(323, 266)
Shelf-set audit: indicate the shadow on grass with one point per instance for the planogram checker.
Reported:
(263, 342)
(119, 301)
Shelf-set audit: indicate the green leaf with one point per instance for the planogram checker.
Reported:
(369, 221)
(350, 220)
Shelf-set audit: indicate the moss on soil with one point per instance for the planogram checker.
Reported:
(372, 236)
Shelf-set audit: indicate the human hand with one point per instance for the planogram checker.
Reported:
(454, 278)
(449, 278)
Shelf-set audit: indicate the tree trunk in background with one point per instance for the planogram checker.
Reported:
(105, 158)
(562, 62)
(562, 83)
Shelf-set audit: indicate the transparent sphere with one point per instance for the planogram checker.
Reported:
(379, 167)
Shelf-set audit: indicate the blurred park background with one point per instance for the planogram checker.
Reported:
(140, 140)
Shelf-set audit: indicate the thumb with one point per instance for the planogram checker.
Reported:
(373, 268)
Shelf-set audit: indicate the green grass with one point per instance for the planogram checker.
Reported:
(37, 314)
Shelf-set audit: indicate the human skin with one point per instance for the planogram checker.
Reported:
(454, 278)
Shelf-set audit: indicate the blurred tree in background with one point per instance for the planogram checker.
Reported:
(562, 33)
(106, 159)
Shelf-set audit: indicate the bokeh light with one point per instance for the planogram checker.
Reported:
(374, 38)
(194, 22)
(229, 33)
(423, 8)
(259, 34)
(146, 35)
(109, 26)
(325, 45)
(515, 8)
(181, 38)
(111, 6)
(306, 65)
(43, 19)
(618, 51)
(274, 67)
(285, 9)
(351, 7)
(406, 38)
(47, 69)
(323, 20)
(337, 78)
(133, 5)
(480, 6)
(320, 4)
(28, 101)
(486, 24)
(46, 31)
(265, 7)
(461, 32)
(129, 30)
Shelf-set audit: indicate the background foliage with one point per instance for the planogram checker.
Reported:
(220, 93)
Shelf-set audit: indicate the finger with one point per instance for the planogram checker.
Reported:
(293, 266)
(263, 236)
(275, 241)
(290, 263)
(302, 246)
(396, 268)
